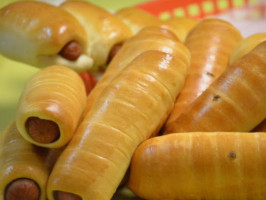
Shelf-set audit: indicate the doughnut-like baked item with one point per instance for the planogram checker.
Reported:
(50, 106)
(40, 34)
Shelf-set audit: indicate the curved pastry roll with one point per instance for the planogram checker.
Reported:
(103, 29)
(200, 165)
(22, 161)
(137, 19)
(234, 102)
(246, 45)
(181, 26)
(36, 32)
(210, 43)
(50, 106)
(130, 109)
(150, 38)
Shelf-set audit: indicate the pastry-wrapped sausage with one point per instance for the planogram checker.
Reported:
(104, 30)
(246, 45)
(137, 19)
(210, 43)
(24, 168)
(41, 34)
(129, 110)
(150, 38)
(234, 102)
(50, 106)
(210, 166)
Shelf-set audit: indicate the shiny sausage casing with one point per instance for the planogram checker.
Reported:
(200, 165)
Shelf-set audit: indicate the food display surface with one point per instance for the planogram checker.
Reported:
(129, 101)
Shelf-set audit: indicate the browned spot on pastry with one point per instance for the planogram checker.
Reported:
(210, 74)
(232, 155)
(216, 98)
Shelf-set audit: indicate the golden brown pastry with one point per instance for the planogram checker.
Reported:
(24, 168)
(103, 29)
(246, 45)
(234, 102)
(200, 165)
(210, 43)
(41, 34)
(181, 26)
(129, 110)
(150, 38)
(137, 19)
(50, 106)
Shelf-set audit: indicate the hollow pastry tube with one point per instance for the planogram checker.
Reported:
(130, 109)
(200, 165)
(40, 34)
(104, 30)
(150, 38)
(137, 19)
(24, 168)
(235, 102)
(50, 106)
(210, 43)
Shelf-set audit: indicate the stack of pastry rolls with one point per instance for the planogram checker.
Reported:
(135, 96)
(128, 110)
(225, 161)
